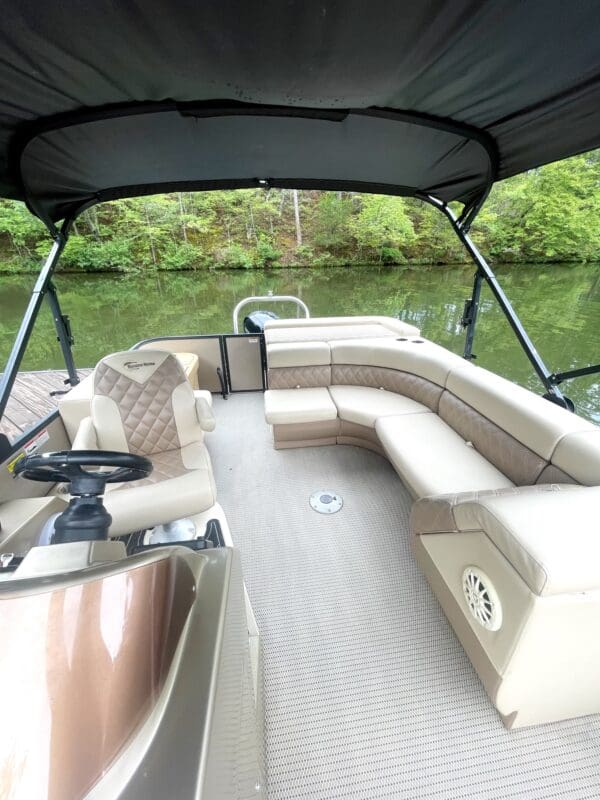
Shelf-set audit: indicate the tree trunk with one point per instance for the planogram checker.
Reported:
(182, 216)
(252, 227)
(150, 238)
(92, 216)
(297, 218)
(15, 245)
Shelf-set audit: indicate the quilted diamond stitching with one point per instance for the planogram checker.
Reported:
(510, 456)
(165, 466)
(306, 377)
(413, 386)
(146, 409)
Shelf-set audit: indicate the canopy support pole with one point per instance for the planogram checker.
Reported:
(484, 270)
(30, 316)
(63, 333)
(469, 317)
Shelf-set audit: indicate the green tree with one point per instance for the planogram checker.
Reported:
(383, 225)
(548, 214)
(332, 216)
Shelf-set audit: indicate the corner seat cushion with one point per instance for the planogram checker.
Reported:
(549, 534)
(294, 406)
(578, 455)
(363, 405)
(431, 458)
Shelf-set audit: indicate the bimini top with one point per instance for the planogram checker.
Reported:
(110, 99)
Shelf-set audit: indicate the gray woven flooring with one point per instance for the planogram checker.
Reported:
(368, 694)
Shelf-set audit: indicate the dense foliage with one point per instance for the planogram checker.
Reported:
(548, 214)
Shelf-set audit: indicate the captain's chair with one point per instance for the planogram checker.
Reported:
(142, 403)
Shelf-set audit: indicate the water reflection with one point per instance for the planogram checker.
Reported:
(559, 305)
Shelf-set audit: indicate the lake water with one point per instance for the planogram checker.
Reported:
(559, 306)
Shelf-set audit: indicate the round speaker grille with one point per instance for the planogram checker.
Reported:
(482, 599)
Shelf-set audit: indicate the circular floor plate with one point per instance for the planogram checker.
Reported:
(325, 501)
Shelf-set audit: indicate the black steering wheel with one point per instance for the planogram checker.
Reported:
(86, 518)
(67, 466)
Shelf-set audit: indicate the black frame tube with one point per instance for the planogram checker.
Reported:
(63, 333)
(559, 377)
(483, 268)
(27, 323)
(469, 320)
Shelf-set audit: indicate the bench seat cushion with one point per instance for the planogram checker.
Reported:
(527, 417)
(431, 458)
(292, 406)
(363, 405)
(298, 354)
(413, 354)
(327, 329)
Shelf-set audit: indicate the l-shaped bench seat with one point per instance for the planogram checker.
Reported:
(507, 504)
(446, 425)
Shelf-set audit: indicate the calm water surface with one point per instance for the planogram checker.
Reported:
(559, 305)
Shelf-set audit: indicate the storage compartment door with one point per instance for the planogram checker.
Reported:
(245, 359)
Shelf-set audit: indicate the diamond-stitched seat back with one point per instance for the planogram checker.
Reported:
(141, 384)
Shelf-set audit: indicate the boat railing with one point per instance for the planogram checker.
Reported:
(267, 298)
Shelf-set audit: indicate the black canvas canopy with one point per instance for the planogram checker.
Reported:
(435, 99)
(441, 97)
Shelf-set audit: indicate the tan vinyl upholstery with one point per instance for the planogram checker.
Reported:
(327, 329)
(527, 525)
(535, 422)
(190, 364)
(412, 354)
(578, 455)
(204, 411)
(433, 459)
(76, 404)
(506, 485)
(364, 405)
(299, 354)
(400, 382)
(507, 453)
(295, 365)
(143, 403)
(285, 406)
(538, 548)
(299, 377)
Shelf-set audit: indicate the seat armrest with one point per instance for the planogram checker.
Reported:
(452, 513)
(205, 394)
(85, 438)
(205, 415)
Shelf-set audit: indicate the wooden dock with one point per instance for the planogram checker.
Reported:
(30, 399)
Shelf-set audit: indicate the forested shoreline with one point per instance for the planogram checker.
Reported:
(546, 215)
